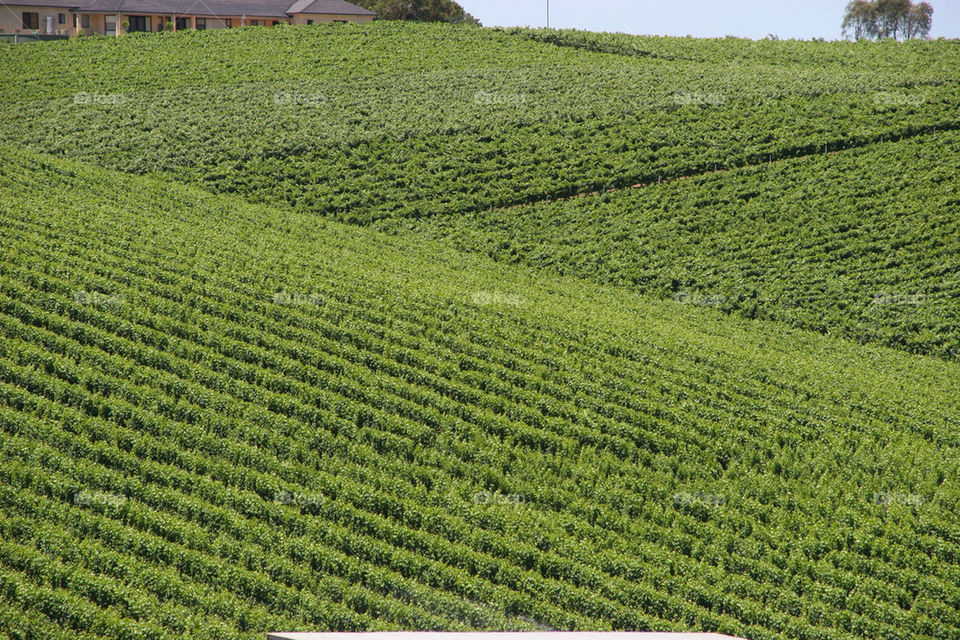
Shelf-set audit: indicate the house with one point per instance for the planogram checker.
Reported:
(111, 17)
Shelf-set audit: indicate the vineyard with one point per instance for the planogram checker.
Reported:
(863, 243)
(367, 328)
(393, 124)
(364, 123)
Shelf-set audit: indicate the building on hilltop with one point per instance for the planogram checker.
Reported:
(112, 17)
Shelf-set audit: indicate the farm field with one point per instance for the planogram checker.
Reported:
(207, 434)
(389, 124)
(322, 328)
(863, 243)
(363, 123)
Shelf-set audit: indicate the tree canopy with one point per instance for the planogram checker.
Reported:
(880, 19)
(419, 10)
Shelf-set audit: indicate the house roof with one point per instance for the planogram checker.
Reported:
(61, 4)
(328, 6)
(269, 8)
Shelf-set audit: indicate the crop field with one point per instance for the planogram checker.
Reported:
(863, 243)
(323, 328)
(363, 123)
(436, 128)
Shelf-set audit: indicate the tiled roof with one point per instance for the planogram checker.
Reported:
(328, 6)
(273, 8)
(63, 4)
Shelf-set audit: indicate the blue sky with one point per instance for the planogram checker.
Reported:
(701, 18)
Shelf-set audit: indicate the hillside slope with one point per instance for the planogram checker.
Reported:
(366, 122)
(220, 418)
(433, 126)
(863, 243)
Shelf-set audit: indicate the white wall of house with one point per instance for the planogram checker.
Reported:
(11, 19)
(243, 21)
(157, 22)
(96, 23)
(301, 18)
(217, 23)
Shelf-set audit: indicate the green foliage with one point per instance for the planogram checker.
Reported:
(419, 10)
(854, 243)
(407, 437)
(219, 418)
(371, 122)
(887, 19)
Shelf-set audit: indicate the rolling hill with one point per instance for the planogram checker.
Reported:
(863, 243)
(322, 328)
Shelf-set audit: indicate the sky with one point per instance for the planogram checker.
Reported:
(803, 19)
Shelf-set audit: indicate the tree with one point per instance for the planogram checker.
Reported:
(887, 19)
(419, 10)
(893, 15)
(862, 19)
(919, 21)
